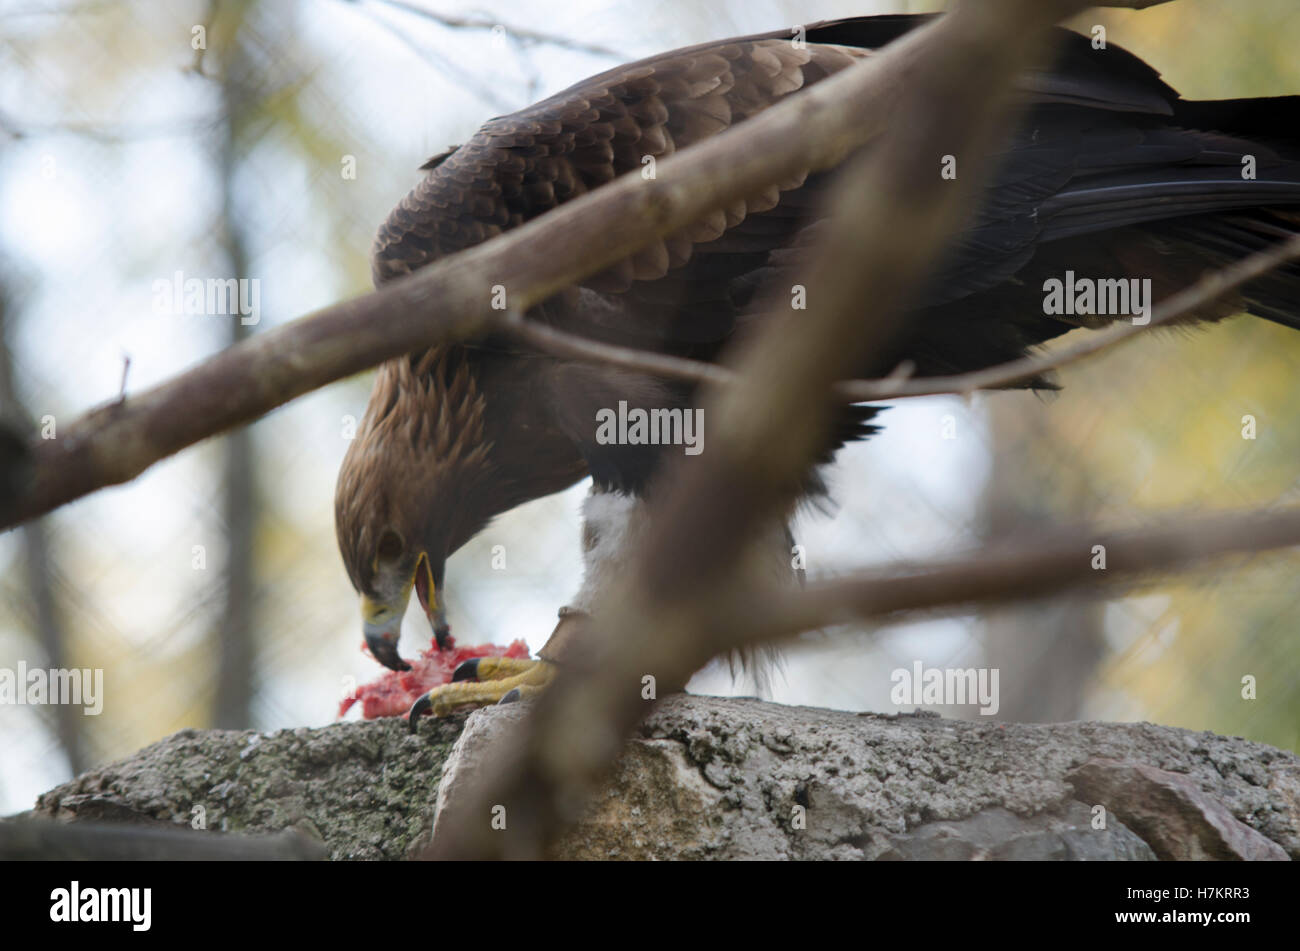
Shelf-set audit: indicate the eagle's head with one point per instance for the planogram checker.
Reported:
(451, 438)
(415, 484)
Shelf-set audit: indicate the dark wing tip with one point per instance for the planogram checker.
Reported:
(438, 159)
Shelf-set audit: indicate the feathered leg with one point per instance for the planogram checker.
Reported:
(613, 524)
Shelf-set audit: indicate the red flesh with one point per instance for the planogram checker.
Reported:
(394, 692)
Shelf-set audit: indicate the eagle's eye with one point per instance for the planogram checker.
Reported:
(390, 546)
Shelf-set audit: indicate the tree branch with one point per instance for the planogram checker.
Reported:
(1205, 291)
(518, 32)
(450, 299)
(1012, 569)
(953, 79)
(560, 343)
(1190, 299)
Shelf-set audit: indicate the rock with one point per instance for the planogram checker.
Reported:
(1173, 814)
(1064, 834)
(366, 790)
(711, 778)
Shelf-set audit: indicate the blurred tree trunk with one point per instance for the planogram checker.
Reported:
(235, 645)
(1047, 652)
(47, 625)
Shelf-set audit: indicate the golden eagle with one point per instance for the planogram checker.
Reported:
(1108, 173)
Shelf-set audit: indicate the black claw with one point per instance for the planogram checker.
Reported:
(442, 635)
(468, 670)
(420, 707)
(510, 696)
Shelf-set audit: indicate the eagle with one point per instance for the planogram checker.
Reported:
(1107, 173)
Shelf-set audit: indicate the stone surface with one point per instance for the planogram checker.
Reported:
(710, 778)
(1174, 815)
(364, 789)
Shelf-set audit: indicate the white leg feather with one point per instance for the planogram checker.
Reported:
(614, 523)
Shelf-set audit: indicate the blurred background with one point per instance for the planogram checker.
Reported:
(210, 590)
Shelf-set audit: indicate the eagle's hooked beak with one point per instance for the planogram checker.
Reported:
(383, 625)
(383, 622)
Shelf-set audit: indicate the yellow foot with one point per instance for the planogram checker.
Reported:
(481, 681)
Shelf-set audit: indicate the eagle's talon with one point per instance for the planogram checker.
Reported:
(504, 680)
(418, 709)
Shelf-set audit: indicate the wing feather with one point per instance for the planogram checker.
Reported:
(1099, 128)
(522, 165)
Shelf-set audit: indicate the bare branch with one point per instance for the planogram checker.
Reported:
(109, 133)
(900, 385)
(450, 299)
(1187, 301)
(517, 32)
(958, 73)
(560, 343)
(483, 91)
(1013, 569)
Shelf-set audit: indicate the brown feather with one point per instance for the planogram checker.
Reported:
(459, 434)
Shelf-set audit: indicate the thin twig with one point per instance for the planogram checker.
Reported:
(481, 90)
(518, 32)
(900, 384)
(560, 343)
(1204, 291)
